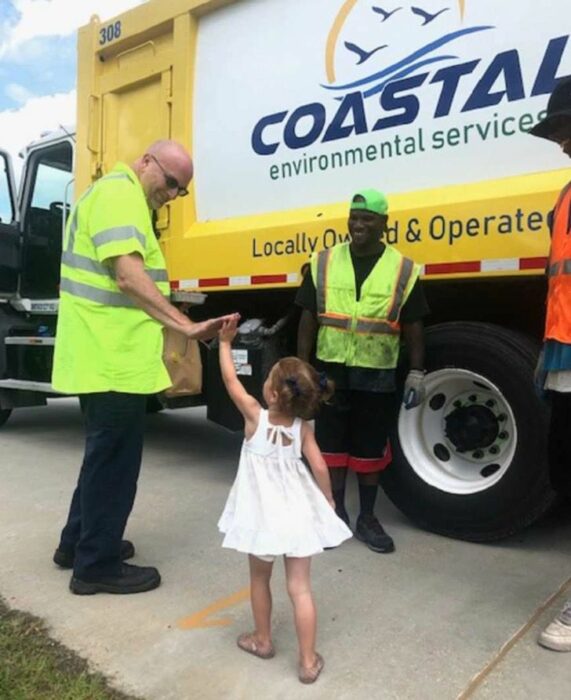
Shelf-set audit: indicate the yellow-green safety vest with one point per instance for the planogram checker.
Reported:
(104, 342)
(364, 333)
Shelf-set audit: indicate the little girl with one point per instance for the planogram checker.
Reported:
(275, 507)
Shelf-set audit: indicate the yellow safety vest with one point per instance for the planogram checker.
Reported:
(104, 342)
(364, 333)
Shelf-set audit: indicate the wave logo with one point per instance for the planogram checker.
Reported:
(389, 50)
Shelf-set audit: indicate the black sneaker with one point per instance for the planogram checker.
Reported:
(65, 558)
(132, 579)
(370, 531)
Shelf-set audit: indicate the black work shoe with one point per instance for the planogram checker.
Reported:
(65, 558)
(132, 579)
(370, 531)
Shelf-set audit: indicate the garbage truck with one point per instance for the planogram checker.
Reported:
(288, 108)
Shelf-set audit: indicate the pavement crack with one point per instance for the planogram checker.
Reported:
(505, 649)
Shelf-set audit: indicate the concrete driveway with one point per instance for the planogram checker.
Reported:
(437, 619)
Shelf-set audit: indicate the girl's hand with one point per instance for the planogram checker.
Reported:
(331, 502)
(206, 330)
(229, 329)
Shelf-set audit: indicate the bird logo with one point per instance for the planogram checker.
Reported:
(372, 44)
(385, 15)
(426, 16)
(363, 55)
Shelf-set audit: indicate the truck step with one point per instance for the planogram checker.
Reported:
(29, 340)
(24, 385)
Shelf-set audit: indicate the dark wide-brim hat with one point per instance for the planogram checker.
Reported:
(558, 110)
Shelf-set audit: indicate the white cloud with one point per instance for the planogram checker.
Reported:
(56, 18)
(40, 19)
(36, 116)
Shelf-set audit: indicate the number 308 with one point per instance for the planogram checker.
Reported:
(107, 34)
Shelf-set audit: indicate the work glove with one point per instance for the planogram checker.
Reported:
(414, 389)
(540, 376)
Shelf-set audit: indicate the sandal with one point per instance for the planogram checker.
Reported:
(247, 642)
(310, 675)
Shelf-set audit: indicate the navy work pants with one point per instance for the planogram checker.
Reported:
(105, 492)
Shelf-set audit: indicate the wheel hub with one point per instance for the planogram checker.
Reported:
(471, 428)
(463, 438)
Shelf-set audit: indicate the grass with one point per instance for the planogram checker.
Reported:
(35, 667)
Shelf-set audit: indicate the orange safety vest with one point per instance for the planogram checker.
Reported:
(558, 320)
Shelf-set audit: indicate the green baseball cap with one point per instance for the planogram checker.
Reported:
(371, 200)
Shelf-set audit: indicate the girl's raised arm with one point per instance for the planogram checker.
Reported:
(246, 404)
(313, 455)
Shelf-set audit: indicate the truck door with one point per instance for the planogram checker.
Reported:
(123, 110)
(9, 234)
(131, 104)
(45, 205)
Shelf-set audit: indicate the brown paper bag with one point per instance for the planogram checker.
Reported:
(182, 360)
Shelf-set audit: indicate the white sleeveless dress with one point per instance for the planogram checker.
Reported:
(275, 507)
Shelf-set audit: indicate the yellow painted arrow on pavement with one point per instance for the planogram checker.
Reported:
(200, 618)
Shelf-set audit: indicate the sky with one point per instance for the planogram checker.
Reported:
(38, 64)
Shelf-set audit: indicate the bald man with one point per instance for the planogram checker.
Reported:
(114, 303)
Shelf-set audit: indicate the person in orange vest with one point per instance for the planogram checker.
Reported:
(554, 366)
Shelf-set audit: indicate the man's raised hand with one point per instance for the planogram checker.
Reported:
(206, 330)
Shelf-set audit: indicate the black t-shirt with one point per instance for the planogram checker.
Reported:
(363, 378)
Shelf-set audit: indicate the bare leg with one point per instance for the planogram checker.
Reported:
(305, 616)
(261, 600)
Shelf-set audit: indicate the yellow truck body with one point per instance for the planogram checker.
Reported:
(139, 79)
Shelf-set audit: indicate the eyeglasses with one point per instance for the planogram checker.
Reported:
(170, 181)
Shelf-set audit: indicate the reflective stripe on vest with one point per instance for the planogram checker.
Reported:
(82, 262)
(372, 327)
(561, 267)
(406, 268)
(558, 316)
(87, 291)
(119, 233)
(321, 282)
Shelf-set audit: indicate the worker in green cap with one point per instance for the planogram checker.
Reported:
(357, 300)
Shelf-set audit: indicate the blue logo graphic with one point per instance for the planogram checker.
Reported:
(446, 57)
(428, 54)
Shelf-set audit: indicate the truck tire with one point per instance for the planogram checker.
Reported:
(4, 415)
(471, 461)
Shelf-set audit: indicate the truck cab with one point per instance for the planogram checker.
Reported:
(32, 222)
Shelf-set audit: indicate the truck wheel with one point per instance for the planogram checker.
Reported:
(4, 415)
(471, 462)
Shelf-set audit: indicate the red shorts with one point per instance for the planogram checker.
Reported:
(352, 430)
